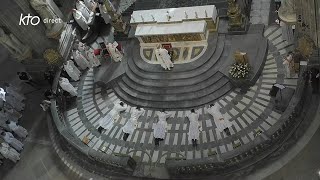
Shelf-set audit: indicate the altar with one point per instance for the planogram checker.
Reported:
(182, 31)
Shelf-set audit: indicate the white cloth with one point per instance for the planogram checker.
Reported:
(15, 143)
(81, 60)
(2, 94)
(72, 70)
(89, 3)
(80, 19)
(94, 61)
(218, 118)
(194, 128)
(164, 58)
(108, 121)
(15, 93)
(66, 86)
(115, 54)
(19, 130)
(131, 124)
(9, 152)
(160, 128)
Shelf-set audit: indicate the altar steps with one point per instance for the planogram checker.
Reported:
(186, 86)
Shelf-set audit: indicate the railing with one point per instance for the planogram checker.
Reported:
(262, 151)
(122, 164)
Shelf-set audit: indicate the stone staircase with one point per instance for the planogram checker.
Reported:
(187, 85)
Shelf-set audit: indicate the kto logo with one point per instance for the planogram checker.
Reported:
(25, 20)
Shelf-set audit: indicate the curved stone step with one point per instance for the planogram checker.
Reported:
(175, 96)
(155, 71)
(171, 90)
(210, 97)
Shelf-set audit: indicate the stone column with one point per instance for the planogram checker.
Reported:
(47, 13)
(287, 14)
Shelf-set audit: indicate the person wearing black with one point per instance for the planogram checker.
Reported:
(314, 78)
(24, 76)
(48, 75)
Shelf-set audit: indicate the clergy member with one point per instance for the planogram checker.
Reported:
(163, 58)
(10, 139)
(108, 121)
(221, 123)
(194, 128)
(66, 86)
(9, 152)
(81, 60)
(17, 129)
(131, 124)
(72, 70)
(93, 59)
(115, 54)
(160, 129)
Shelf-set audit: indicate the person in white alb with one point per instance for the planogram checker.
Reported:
(10, 139)
(221, 123)
(194, 128)
(72, 70)
(67, 86)
(17, 129)
(160, 128)
(115, 54)
(164, 58)
(131, 124)
(9, 152)
(108, 121)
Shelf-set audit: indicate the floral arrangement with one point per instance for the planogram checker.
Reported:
(52, 57)
(239, 70)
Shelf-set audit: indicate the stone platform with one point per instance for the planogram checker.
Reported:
(192, 84)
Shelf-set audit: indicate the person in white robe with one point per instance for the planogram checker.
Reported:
(194, 127)
(14, 91)
(288, 64)
(66, 86)
(9, 153)
(131, 124)
(115, 54)
(107, 122)
(10, 139)
(81, 60)
(164, 58)
(221, 123)
(160, 128)
(94, 61)
(83, 15)
(17, 129)
(2, 94)
(72, 70)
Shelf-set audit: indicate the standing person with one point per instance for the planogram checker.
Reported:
(9, 152)
(72, 70)
(10, 139)
(49, 76)
(93, 59)
(194, 128)
(25, 77)
(18, 130)
(131, 124)
(80, 59)
(108, 121)
(288, 64)
(160, 129)
(221, 123)
(2, 94)
(115, 54)
(66, 86)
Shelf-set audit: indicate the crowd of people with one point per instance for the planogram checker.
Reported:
(160, 128)
(11, 133)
